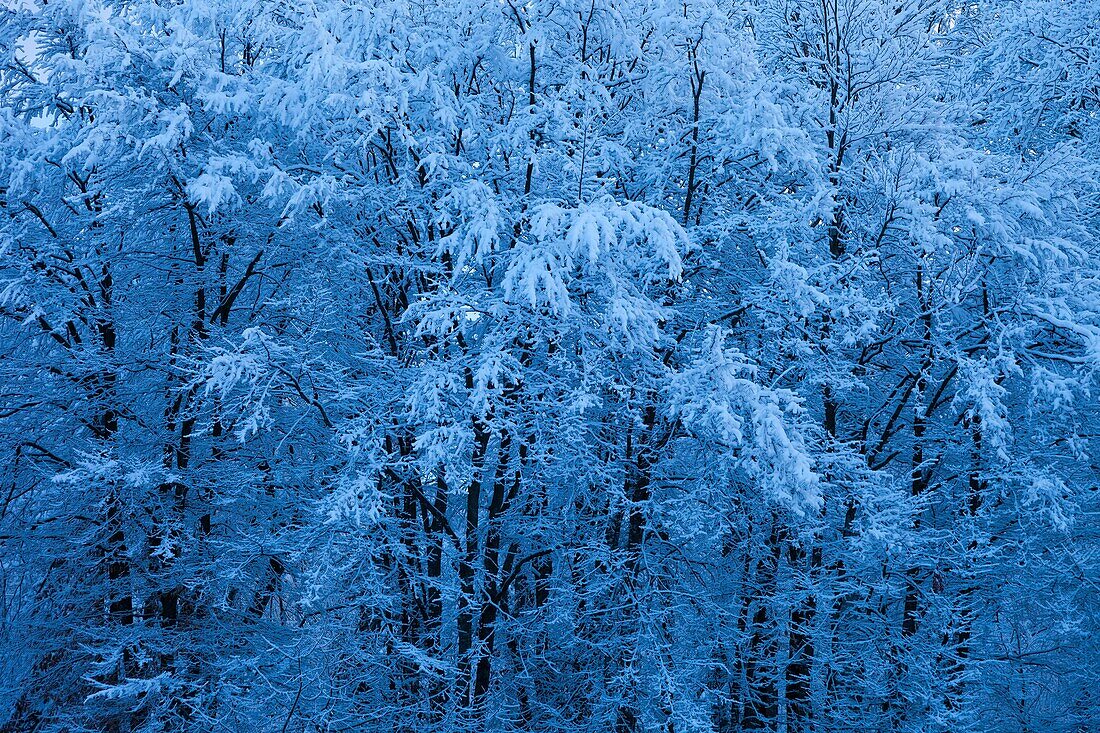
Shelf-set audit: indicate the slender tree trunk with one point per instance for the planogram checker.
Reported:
(467, 568)
(493, 591)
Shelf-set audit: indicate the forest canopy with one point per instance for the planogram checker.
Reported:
(580, 366)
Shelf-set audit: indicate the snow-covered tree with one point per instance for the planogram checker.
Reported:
(585, 365)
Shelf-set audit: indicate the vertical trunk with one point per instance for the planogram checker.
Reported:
(697, 78)
(493, 595)
(166, 601)
(919, 474)
(467, 568)
(106, 426)
(639, 463)
(433, 620)
(800, 655)
(803, 662)
(121, 606)
(919, 479)
(529, 173)
(761, 682)
(965, 601)
(409, 564)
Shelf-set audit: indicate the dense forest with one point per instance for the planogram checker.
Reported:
(580, 366)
